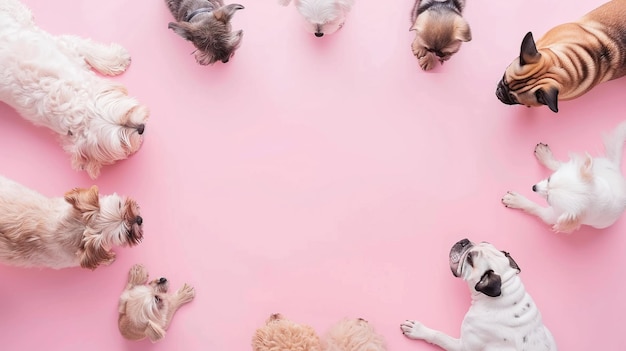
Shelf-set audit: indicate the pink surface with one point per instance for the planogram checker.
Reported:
(319, 178)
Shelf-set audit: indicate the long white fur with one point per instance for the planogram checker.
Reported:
(48, 80)
(322, 16)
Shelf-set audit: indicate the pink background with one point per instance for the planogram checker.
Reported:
(319, 178)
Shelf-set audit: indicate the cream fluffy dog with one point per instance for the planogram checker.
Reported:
(281, 334)
(583, 191)
(76, 230)
(322, 16)
(48, 80)
(146, 308)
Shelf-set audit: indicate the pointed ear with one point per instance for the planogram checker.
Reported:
(225, 13)
(586, 169)
(490, 284)
(154, 332)
(84, 200)
(512, 262)
(549, 98)
(567, 222)
(94, 253)
(183, 29)
(528, 52)
(462, 30)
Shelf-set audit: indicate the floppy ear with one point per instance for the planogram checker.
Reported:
(462, 30)
(567, 222)
(490, 284)
(512, 262)
(549, 98)
(225, 13)
(183, 29)
(84, 200)
(154, 332)
(528, 52)
(586, 168)
(93, 253)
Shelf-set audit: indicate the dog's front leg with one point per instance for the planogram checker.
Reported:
(110, 60)
(545, 157)
(416, 330)
(514, 200)
(182, 296)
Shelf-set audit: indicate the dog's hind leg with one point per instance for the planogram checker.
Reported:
(545, 157)
(416, 330)
(110, 60)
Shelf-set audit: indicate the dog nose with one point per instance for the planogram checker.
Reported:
(535, 188)
(139, 220)
(162, 281)
(319, 34)
(225, 60)
(141, 128)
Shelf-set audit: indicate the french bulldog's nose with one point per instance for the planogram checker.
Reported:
(319, 34)
(162, 281)
(139, 220)
(535, 188)
(141, 128)
(464, 242)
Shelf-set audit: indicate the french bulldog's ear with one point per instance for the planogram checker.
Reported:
(567, 223)
(512, 262)
(549, 98)
(225, 13)
(528, 52)
(154, 332)
(181, 28)
(490, 284)
(462, 30)
(586, 168)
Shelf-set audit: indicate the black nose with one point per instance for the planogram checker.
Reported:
(464, 242)
(140, 128)
(534, 188)
(225, 60)
(162, 281)
(319, 34)
(139, 220)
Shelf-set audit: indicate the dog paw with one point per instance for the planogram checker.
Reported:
(512, 200)
(186, 293)
(413, 329)
(426, 62)
(543, 152)
(138, 274)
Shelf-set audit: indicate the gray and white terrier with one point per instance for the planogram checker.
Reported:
(206, 23)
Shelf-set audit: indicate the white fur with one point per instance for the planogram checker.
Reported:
(322, 16)
(48, 80)
(583, 191)
(508, 322)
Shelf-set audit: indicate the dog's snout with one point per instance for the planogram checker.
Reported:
(139, 220)
(226, 60)
(319, 34)
(162, 281)
(535, 188)
(141, 128)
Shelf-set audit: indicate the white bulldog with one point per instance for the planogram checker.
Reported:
(502, 317)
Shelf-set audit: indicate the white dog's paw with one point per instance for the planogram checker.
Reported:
(513, 200)
(118, 62)
(138, 274)
(186, 293)
(543, 152)
(413, 329)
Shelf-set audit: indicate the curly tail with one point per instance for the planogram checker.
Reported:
(614, 144)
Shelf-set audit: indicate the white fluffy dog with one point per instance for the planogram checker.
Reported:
(145, 308)
(502, 316)
(78, 229)
(48, 80)
(322, 16)
(584, 190)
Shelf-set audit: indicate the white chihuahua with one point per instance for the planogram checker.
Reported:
(322, 16)
(584, 190)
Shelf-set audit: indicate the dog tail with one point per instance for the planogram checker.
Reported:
(614, 144)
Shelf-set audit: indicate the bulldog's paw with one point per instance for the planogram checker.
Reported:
(414, 330)
(513, 200)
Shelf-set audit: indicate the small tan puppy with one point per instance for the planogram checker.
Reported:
(145, 308)
(78, 229)
(439, 30)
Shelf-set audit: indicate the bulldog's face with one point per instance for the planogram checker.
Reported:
(481, 265)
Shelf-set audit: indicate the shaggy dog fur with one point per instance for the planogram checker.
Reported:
(48, 80)
(280, 334)
(79, 229)
(145, 308)
(206, 23)
(322, 16)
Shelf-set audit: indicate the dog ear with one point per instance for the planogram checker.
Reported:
(181, 28)
(462, 30)
(225, 13)
(490, 284)
(512, 262)
(528, 52)
(586, 168)
(86, 201)
(549, 98)
(94, 253)
(154, 332)
(567, 223)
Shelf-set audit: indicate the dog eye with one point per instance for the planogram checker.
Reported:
(157, 299)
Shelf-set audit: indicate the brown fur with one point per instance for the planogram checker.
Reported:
(439, 30)
(206, 23)
(569, 60)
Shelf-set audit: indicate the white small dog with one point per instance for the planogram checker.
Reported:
(146, 309)
(79, 229)
(502, 316)
(322, 16)
(584, 190)
(48, 80)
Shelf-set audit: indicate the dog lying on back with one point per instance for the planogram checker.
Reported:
(440, 29)
(568, 60)
(49, 81)
(206, 23)
(78, 229)
(583, 191)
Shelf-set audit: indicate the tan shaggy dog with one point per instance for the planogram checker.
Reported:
(280, 334)
(78, 229)
(146, 308)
